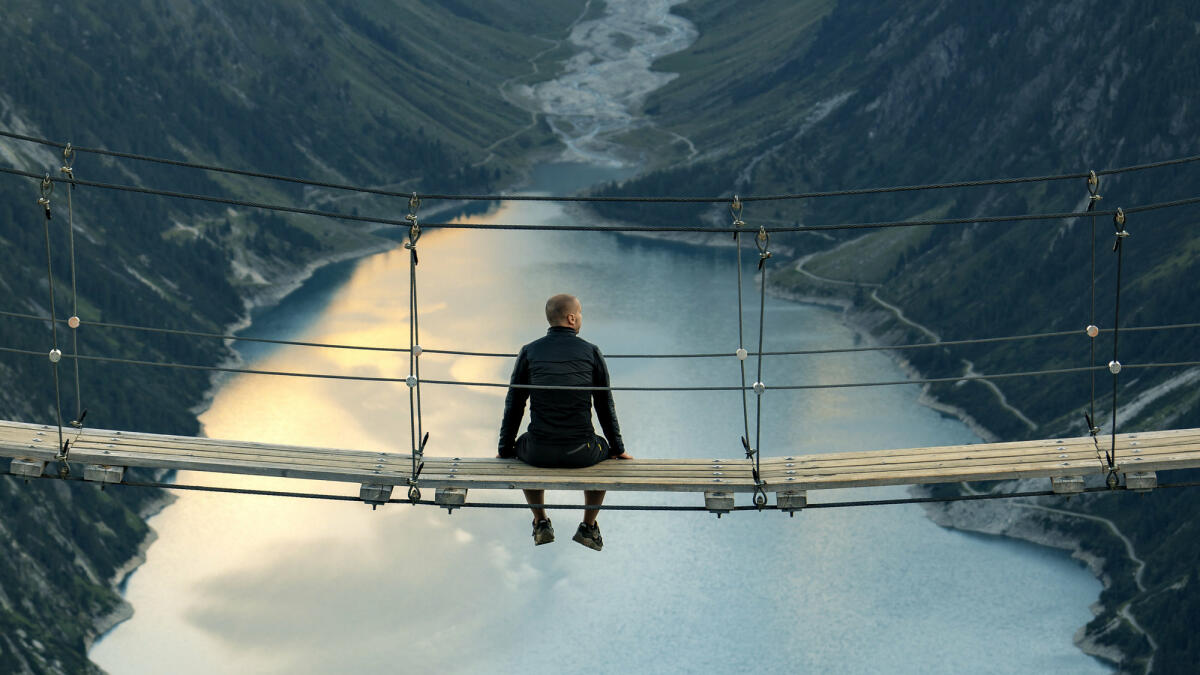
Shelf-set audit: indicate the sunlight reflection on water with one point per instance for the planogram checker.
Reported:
(278, 585)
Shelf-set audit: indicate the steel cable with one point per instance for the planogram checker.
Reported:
(987, 496)
(461, 383)
(505, 197)
(604, 228)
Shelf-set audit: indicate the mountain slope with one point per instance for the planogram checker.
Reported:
(862, 95)
(398, 94)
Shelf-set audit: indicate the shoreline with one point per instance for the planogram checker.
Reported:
(102, 625)
(997, 520)
(991, 519)
(270, 294)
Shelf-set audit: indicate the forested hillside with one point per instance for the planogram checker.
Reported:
(855, 95)
(396, 95)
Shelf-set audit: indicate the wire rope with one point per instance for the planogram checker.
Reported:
(594, 198)
(987, 496)
(605, 228)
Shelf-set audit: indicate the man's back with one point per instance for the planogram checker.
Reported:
(560, 420)
(561, 358)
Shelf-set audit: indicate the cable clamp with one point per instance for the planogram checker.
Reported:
(1114, 366)
(47, 189)
(55, 355)
(759, 388)
(1119, 226)
(414, 228)
(762, 240)
(741, 353)
(749, 450)
(735, 210)
(411, 381)
(68, 162)
(1092, 330)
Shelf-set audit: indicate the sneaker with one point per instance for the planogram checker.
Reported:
(589, 536)
(543, 532)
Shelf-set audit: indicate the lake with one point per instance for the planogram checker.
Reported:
(273, 585)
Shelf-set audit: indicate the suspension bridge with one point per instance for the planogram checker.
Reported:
(69, 450)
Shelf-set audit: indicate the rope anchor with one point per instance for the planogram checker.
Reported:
(47, 189)
(1119, 226)
(68, 163)
(762, 240)
(414, 227)
(735, 210)
(1093, 182)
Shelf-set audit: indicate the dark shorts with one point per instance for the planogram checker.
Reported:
(571, 455)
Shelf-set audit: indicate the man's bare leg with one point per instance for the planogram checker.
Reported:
(592, 498)
(539, 497)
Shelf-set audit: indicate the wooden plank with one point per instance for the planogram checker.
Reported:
(718, 502)
(103, 473)
(544, 478)
(29, 468)
(1066, 485)
(1077, 458)
(397, 460)
(974, 473)
(1142, 481)
(497, 468)
(1138, 455)
(1124, 441)
(887, 457)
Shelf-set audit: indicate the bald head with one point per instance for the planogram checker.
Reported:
(564, 310)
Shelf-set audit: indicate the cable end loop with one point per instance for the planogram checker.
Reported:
(47, 188)
(1119, 226)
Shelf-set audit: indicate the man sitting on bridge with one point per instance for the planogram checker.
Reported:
(560, 421)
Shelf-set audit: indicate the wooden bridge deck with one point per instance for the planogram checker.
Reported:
(104, 455)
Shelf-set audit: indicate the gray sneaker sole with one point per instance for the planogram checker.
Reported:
(588, 542)
(544, 537)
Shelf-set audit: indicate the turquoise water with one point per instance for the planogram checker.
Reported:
(271, 585)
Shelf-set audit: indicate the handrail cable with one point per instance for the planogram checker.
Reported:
(462, 383)
(505, 197)
(616, 507)
(604, 228)
(457, 352)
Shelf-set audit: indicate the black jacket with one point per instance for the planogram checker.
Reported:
(562, 358)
